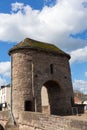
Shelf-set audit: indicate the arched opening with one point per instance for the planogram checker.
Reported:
(51, 98)
(45, 100)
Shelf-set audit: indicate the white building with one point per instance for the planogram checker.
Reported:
(85, 103)
(5, 97)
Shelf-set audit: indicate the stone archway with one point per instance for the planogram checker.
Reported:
(51, 98)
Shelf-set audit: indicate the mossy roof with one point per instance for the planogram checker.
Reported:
(37, 45)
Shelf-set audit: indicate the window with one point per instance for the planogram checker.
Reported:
(28, 106)
(51, 68)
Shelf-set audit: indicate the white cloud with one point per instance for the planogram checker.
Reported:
(79, 55)
(5, 69)
(2, 81)
(17, 6)
(86, 74)
(51, 24)
(80, 85)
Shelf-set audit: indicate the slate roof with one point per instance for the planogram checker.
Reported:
(39, 46)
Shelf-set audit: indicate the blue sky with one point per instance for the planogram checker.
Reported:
(60, 22)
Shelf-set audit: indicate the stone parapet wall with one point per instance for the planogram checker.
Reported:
(4, 117)
(38, 121)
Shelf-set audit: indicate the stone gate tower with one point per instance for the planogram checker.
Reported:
(34, 66)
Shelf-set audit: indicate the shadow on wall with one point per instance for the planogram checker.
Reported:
(1, 127)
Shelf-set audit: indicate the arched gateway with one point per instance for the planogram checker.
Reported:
(51, 93)
(39, 68)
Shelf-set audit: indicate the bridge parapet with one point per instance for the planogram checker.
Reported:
(4, 116)
(39, 121)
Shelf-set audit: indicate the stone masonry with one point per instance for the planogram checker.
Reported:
(34, 65)
(39, 121)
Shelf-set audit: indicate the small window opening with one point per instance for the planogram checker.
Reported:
(28, 106)
(51, 68)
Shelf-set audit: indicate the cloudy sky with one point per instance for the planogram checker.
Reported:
(60, 22)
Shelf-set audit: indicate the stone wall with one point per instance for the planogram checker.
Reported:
(61, 95)
(37, 121)
(4, 117)
(21, 80)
